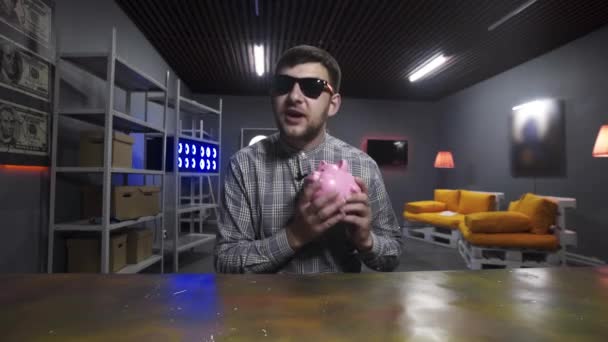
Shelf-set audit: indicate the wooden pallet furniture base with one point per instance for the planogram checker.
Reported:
(439, 236)
(477, 257)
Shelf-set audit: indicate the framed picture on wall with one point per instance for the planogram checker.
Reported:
(29, 23)
(26, 78)
(250, 136)
(538, 139)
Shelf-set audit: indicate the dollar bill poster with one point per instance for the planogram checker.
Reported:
(26, 78)
(23, 71)
(23, 130)
(29, 23)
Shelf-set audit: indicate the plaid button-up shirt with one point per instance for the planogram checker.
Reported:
(259, 200)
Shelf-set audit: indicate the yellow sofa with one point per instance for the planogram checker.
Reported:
(449, 207)
(531, 233)
(526, 224)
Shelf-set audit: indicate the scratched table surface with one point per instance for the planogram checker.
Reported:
(559, 304)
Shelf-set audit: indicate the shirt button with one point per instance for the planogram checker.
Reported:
(303, 155)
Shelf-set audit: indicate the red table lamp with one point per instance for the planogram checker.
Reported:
(444, 160)
(600, 149)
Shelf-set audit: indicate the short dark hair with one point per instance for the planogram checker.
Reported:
(310, 54)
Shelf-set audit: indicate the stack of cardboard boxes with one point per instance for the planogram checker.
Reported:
(127, 203)
(130, 247)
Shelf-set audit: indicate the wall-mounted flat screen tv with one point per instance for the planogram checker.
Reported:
(388, 152)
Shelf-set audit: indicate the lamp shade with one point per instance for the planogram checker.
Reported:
(444, 160)
(600, 149)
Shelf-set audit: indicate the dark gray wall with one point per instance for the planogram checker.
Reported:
(82, 26)
(356, 120)
(23, 216)
(475, 125)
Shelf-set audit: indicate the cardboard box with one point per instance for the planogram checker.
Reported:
(130, 202)
(84, 254)
(139, 245)
(91, 149)
(127, 202)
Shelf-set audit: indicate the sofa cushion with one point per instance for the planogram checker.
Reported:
(474, 202)
(542, 212)
(425, 207)
(498, 222)
(449, 197)
(511, 240)
(513, 206)
(437, 219)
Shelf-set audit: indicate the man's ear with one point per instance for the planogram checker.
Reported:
(334, 104)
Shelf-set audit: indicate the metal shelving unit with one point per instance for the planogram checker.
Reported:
(192, 208)
(116, 73)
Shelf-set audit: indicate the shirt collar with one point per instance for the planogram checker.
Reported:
(285, 148)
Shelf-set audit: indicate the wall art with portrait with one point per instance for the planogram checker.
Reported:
(538, 139)
(26, 79)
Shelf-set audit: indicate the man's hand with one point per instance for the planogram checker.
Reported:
(313, 216)
(359, 215)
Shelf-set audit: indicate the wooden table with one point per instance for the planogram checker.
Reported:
(563, 304)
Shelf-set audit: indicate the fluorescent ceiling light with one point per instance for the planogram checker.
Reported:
(258, 54)
(512, 14)
(428, 67)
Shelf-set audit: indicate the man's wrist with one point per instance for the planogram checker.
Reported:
(367, 245)
(294, 242)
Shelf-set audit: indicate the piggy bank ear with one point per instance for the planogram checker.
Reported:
(343, 165)
(322, 165)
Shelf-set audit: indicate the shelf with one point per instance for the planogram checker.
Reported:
(210, 141)
(81, 226)
(205, 196)
(195, 207)
(121, 121)
(137, 171)
(85, 226)
(135, 268)
(186, 105)
(144, 219)
(77, 169)
(105, 68)
(188, 241)
(126, 76)
(194, 174)
(191, 105)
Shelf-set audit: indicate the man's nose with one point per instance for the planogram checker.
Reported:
(295, 94)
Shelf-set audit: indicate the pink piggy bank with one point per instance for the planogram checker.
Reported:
(334, 178)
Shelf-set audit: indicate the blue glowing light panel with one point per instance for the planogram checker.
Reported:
(197, 156)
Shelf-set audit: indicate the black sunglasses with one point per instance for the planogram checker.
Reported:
(311, 87)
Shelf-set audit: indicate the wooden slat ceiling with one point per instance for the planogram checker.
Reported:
(377, 43)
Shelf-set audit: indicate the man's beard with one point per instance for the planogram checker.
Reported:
(310, 131)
